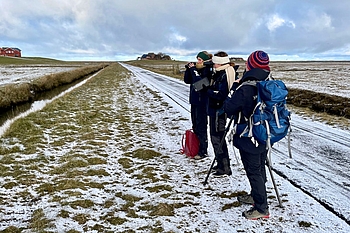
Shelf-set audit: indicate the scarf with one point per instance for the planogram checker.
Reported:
(230, 74)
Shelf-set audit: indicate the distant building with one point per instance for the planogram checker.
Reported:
(153, 56)
(10, 52)
(236, 59)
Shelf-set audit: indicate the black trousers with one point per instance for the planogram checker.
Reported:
(199, 120)
(217, 133)
(254, 165)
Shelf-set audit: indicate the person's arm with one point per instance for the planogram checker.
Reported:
(221, 92)
(188, 76)
(234, 104)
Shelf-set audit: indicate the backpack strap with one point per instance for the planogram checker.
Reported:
(247, 132)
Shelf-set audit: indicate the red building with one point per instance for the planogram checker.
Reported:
(10, 52)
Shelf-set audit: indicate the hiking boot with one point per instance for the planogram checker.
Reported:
(254, 214)
(220, 173)
(246, 199)
(225, 171)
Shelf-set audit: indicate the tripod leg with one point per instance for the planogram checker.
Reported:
(209, 171)
(221, 143)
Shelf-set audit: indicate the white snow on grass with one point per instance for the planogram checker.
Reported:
(132, 131)
(19, 74)
(324, 77)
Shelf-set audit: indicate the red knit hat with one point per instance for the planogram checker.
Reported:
(258, 59)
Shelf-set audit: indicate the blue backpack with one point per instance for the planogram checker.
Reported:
(270, 121)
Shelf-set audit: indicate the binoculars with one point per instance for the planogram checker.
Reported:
(206, 63)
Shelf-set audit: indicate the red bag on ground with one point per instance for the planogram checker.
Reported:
(190, 144)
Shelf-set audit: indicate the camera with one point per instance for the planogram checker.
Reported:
(208, 63)
(201, 84)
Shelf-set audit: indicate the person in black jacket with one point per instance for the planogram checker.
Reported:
(240, 104)
(223, 78)
(199, 100)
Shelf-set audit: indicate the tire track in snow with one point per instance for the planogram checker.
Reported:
(310, 170)
(174, 89)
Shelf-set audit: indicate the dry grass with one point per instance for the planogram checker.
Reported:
(71, 175)
(14, 94)
(319, 102)
(51, 81)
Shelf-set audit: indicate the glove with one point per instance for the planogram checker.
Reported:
(190, 65)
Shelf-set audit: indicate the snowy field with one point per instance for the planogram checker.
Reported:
(147, 114)
(18, 74)
(324, 77)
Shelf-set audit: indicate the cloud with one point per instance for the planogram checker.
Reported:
(112, 28)
(318, 21)
(276, 21)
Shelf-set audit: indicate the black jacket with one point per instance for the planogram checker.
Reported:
(243, 99)
(193, 75)
(217, 92)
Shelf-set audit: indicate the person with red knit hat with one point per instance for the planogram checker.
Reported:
(240, 104)
(258, 59)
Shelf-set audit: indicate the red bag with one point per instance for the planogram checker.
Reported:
(190, 144)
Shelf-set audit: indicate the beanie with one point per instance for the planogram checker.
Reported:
(204, 55)
(258, 59)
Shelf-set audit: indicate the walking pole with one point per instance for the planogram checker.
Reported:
(221, 143)
(234, 151)
(273, 180)
(289, 149)
(230, 140)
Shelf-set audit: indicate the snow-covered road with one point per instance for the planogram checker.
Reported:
(320, 163)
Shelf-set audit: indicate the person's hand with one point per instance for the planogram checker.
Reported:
(190, 65)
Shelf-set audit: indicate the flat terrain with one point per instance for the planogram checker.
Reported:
(104, 157)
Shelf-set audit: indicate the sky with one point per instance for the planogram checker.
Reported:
(124, 30)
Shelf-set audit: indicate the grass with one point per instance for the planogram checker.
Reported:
(88, 160)
(28, 61)
(56, 154)
(14, 94)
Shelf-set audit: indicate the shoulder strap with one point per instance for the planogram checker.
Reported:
(250, 82)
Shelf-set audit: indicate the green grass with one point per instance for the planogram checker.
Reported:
(29, 61)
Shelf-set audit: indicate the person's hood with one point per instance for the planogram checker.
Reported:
(255, 74)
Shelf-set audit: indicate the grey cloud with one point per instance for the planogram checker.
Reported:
(112, 28)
